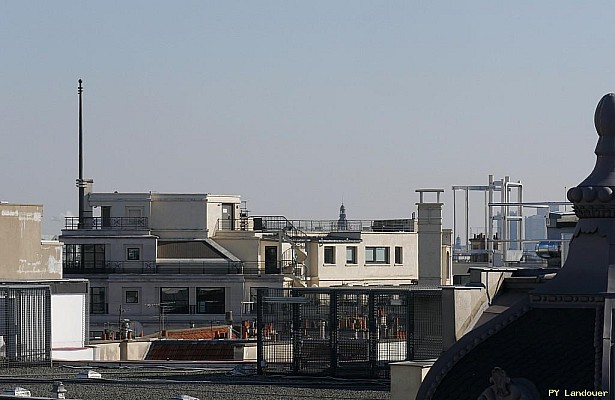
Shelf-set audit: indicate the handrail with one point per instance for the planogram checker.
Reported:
(178, 266)
(276, 223)
(104, 223)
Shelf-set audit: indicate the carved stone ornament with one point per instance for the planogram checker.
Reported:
(505, 388)
(594, 197)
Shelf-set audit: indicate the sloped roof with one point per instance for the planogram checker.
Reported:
(533, 347)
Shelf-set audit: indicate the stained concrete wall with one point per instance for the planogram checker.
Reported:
(22, 254)
(137, 350)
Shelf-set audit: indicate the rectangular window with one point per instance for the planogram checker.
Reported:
(376, 255)
(78, 257)
(399, 255)
(351, 254)
(210, 301)
(133, 254)
(131, 297)
(329, 254)
(98, 300)
(174, 300)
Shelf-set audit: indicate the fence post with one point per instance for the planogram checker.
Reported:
(260, 354)
(333, 330)
(410, 325)
(373, 334)
(296, 334)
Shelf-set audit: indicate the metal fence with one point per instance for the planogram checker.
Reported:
(25, 326)
(346, 332)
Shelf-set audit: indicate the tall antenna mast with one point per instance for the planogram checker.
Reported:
(80, 182)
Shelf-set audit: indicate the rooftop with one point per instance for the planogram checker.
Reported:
(161, 382)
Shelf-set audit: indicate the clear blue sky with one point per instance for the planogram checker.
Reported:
(296, 105)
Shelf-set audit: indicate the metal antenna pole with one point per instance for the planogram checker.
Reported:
(80, 182)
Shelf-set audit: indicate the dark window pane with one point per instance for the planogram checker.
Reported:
(210, 301)
(174, 300)
(98, 303)
(132, 296)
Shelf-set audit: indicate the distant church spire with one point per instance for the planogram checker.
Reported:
(342, 223)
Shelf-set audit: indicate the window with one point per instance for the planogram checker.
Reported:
(376, 255)
(134, 212)
(98, 303)
(131, 297)
(174, 300)
(329, 254)
(133, 254)
(399, 255)
(351, 254)
(78, 257)
(210, 301)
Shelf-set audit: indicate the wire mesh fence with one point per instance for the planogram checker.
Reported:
(346, 332)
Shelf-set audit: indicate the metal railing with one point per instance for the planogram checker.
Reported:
(302, 227)
(25, 326)
(346, 332)
(103, 223)
(182, 267)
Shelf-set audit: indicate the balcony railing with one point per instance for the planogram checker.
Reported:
(103, 223)
(180, 267)
(279, 223)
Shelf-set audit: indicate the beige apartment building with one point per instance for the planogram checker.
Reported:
(169, 261)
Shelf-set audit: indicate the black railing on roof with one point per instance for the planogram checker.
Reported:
(346, 332)
(279, 223)
(178, 267)
(102, 223)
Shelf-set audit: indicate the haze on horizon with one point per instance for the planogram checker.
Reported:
(298, 105)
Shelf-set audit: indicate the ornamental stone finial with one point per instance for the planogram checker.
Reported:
(593, 198)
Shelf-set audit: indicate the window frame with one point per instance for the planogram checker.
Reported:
(130, 251)
(399, 255)
(202, 306)
(127, 291)
(175, 305)
(372, 255)
(332, 256)
(352, 260)
(101, 307)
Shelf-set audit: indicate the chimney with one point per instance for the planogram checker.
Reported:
(430, 238)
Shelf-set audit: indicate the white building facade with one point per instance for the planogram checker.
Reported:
(169, 261)
(151, 258)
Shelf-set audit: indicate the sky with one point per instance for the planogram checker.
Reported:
(298, 106)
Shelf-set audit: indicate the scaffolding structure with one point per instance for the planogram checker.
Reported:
(503, 243)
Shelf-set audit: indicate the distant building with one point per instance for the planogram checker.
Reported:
(168, 261)
(559, 335)
(151, 258)
(23, 255)
(342, 223)
(42, 315)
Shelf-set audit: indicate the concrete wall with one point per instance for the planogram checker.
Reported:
(22, 255)
(86, 353)
(68, 328)
(406, 378)
(214, 209)
(245, 245)
(179, 216)
(461, 308)
(137, 350)
(363, 273)
(430, 243)
(121, 203)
